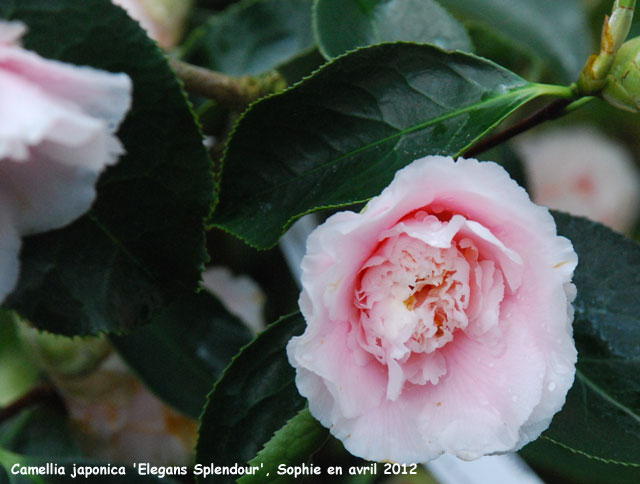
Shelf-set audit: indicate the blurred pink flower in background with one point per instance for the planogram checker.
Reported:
(57, 124)
(438, 318)
(164, 20)
(123, 422)
(118, 419)
(581, 171)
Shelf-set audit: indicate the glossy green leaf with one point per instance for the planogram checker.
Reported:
(556, 30)
(255, 397)
(343, 25)
(301, 66)
(39, 432)
(190, 342)
(339, 136)
(601, 417)
(574, 468)
(143, 239)
(252, 36)
(291, 445)
(501, 49)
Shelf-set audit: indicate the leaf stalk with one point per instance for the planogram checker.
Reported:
(231, 92)
(551, 111)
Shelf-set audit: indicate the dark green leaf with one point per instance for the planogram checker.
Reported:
(608, 280)
(291, 445)
(255, 397)
(252, 37)
(556, 30)
(494, 45)
(184, 350)
(573, 468)
(143, 239)
(601, 417)
(339, 136)
(343, 25)
(301, 65)
(39, 432)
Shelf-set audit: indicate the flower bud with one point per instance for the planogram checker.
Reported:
(622, 88)
(614, 30)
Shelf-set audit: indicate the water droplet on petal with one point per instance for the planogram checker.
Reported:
(552, 386)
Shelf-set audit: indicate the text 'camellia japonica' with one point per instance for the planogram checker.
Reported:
(439, 318)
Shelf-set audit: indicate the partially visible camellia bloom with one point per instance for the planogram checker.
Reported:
(56, 136)
(581, 171)
(119, 419)
(164, 20)
(241, 295)
(123, 422)
(439, 319)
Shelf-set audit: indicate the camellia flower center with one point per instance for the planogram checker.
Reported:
(423, 283)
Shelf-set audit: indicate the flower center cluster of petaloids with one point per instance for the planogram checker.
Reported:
(412, 297)
(415, 292)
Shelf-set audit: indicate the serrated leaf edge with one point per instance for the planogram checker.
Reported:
(276, 434)
(537, 88)
(228, 367)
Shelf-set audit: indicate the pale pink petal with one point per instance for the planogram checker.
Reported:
(328, 356)
(388, 432)
(63, 193)
(96, 94)
(57, 124)
(11, 32)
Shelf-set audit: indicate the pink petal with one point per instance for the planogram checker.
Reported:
(56, 136)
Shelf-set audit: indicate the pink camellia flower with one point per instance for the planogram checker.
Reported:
(117, 419)
(56, 135)
(439, 318)
(121, 421)
(580, 171)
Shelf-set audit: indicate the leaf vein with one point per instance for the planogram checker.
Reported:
(605, 396)
(529, 91)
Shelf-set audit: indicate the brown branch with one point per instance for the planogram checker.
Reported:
(552, 111)
(44, 393)
(231, 92)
